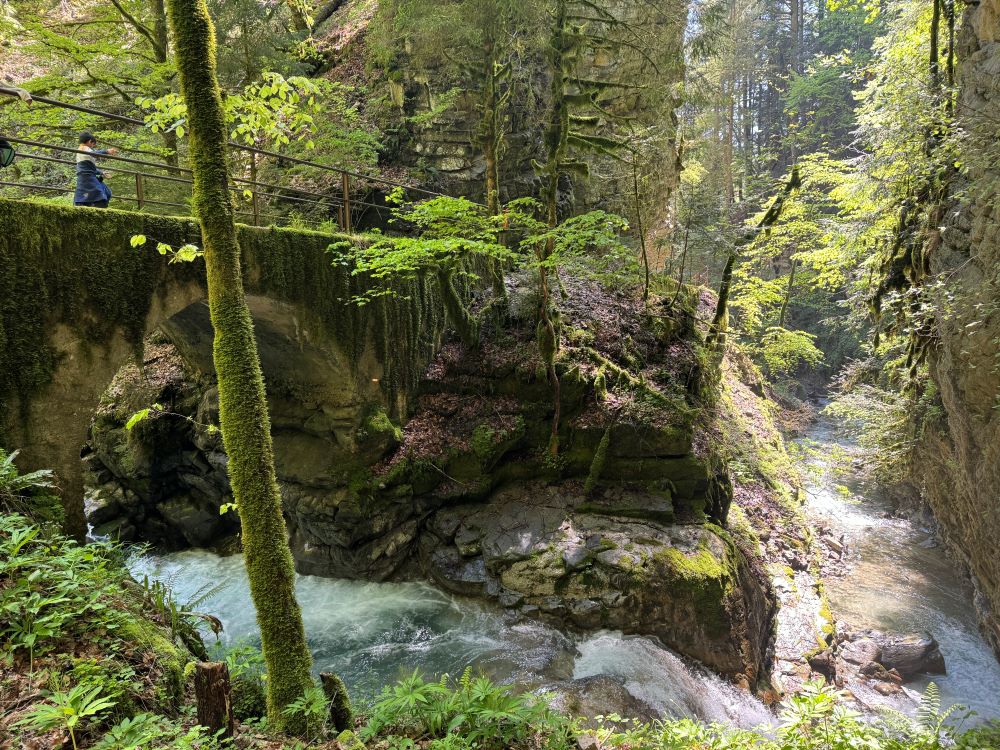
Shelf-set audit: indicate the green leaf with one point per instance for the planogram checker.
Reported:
(137, 418)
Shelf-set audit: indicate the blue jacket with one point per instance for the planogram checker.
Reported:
(90, 187)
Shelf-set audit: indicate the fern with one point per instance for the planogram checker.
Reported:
(930, 706)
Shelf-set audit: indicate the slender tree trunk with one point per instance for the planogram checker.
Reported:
(950, 15)
(555, 138)
(680, 276)
(243, 413)
(161, 53)
(788, 294)
(717, 332)
(490, 132)
(639, 227)
(720, 321)
(934, 55)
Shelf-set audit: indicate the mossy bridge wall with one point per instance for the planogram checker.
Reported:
(76, 301)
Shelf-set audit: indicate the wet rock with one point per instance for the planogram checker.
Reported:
(451, 570)
(911, 655)
(887, 688)
(600, 695)
(860, 652)
(104, 504)
(825, 664)
(200, 524)
(555, 558)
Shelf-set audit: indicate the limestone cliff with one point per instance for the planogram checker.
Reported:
(961, 453)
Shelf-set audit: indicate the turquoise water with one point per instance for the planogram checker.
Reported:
(373, 633)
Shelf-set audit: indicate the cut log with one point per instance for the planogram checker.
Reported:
(211, 689)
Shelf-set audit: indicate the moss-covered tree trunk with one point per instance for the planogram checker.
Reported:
(720, 321)
(243, 413)
(555, 144)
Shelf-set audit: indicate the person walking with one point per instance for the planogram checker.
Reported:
(90, 188)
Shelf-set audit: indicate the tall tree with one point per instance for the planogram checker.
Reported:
(243, 412)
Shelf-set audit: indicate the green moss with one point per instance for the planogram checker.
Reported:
(483, 441)
(490, 444)
(341, 713)
(376, 425)
(147, 637)
(74, 267)
(243, 415)
(248, 698)
(597, 464)
(705, 579)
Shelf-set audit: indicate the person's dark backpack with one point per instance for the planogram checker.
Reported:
(7, 153)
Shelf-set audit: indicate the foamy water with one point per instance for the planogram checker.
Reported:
(373, 633)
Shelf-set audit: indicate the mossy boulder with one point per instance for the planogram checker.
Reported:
(574, 558)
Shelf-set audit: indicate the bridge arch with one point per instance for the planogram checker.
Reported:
(76, 301)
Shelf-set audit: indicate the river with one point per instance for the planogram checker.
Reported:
(374, 633)
(899, 577)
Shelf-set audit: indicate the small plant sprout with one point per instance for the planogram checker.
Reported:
(68, 709)
(184, 254)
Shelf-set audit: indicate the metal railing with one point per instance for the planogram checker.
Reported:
(351, 200)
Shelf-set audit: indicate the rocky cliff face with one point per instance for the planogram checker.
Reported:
(962, 453)
(436, 129)
(624, 529)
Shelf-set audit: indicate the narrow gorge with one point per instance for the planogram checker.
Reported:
(491, 374)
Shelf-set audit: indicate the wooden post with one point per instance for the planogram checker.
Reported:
(139, 194)
(253, 193)
(211, 689)
(345, 184)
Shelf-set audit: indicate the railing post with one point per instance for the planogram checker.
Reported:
(139, 194)
(253, 193)
(345, 184)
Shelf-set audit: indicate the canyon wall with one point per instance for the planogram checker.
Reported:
(961, 451)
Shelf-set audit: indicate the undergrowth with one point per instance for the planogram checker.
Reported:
(91, 659)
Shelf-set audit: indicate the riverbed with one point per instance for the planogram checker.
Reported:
(374, 633)
(899, 577)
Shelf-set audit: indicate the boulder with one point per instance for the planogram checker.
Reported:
(911, 655)
(824, 664)
(557, 558)
(600, 695)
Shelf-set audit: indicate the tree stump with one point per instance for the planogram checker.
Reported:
(341, 715)
(211, 689)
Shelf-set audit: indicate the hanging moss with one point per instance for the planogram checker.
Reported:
(73, 267)
(597, 464)
(62, 266)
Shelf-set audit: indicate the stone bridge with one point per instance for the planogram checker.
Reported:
(76, 301)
